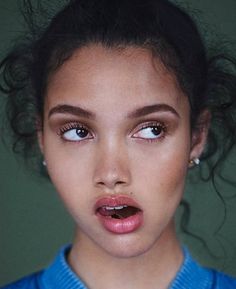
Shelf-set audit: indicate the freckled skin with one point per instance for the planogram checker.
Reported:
(111, 84)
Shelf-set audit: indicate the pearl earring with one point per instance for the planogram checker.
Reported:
(44, 163)
(194, 162)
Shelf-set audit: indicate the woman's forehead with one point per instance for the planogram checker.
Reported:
(95, 70)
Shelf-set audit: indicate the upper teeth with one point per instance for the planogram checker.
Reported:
(116, 207)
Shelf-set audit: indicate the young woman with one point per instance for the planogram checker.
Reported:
(120, 96)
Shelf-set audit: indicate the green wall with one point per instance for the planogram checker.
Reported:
(34, 224)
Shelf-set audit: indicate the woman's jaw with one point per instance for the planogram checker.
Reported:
(155, 265)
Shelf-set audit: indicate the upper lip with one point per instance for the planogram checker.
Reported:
(114, 201)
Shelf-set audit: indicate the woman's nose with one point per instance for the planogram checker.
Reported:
(112, 168)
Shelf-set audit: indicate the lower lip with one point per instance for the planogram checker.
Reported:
(122, 226)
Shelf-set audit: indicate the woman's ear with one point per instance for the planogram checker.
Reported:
(199, 135)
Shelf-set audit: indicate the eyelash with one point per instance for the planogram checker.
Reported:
(70, 126)
(160, 125)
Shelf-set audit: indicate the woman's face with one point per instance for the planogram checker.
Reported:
(116, 139)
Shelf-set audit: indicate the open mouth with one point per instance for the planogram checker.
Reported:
(118, 212)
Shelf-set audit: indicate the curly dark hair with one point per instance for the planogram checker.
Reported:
(168, 31)
(208, 78)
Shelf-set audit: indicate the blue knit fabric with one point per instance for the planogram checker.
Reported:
(60, 276)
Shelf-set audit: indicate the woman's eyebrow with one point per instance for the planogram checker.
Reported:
(161, 107)
(70, 109)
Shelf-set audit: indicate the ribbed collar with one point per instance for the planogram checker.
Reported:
(59, 275)
(192, 275)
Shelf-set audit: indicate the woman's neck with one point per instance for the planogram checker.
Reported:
(153, 269)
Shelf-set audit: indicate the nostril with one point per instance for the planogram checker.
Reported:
(120, 183)
(101, 183)
(110, 176)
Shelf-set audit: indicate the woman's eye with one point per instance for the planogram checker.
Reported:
(75, 134)
(150, 132)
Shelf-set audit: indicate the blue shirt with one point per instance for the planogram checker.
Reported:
(60, 276)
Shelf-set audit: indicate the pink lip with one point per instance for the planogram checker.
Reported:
(119, 226)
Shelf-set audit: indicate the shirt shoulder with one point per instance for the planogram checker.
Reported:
(193, 275)
(29, 282)
(223, 281)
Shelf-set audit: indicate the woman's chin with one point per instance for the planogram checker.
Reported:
(126, 247)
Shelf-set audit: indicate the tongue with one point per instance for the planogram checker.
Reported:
(118, 214)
